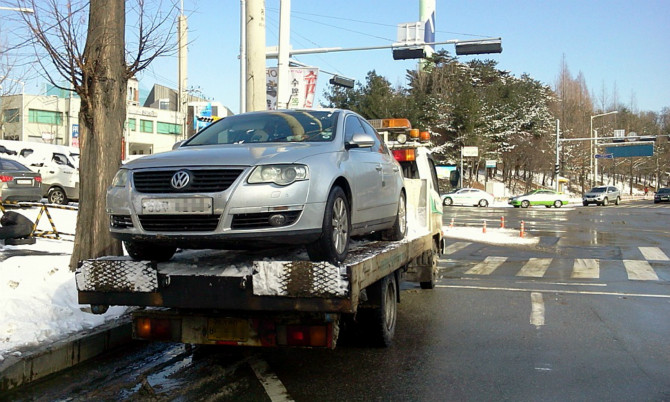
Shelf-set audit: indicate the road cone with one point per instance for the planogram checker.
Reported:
(451, 225)
(522, 233)
(502, 222)
(484, 228)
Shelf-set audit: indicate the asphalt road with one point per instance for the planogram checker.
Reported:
(583, 316)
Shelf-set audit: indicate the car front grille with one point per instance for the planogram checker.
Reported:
(179, 223)
(261, 220)
(202, 181)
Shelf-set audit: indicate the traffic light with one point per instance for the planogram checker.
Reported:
(342, 81)
(405, 53)
(478, 47)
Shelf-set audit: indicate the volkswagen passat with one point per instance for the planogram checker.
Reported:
(258, 180)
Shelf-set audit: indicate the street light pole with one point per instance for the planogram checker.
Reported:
(594, 139)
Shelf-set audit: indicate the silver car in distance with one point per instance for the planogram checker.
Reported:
(261, 180)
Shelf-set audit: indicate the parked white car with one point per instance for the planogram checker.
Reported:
(467, 196)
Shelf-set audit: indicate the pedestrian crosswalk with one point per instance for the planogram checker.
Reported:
(652, 259)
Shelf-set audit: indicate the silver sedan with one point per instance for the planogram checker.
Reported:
(262, 179)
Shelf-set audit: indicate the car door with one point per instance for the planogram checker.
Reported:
(389, 192)
(366, 171)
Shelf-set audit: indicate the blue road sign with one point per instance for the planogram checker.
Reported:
(631, 150)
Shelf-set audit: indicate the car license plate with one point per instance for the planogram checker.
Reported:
(228, 329)
(25, 181)
(175, 206)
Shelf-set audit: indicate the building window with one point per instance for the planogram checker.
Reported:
(168, 128)
(45, 117)
(146, 126)
(11, 116)
(164, 104)
(132, 125)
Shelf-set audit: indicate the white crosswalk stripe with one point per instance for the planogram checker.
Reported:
(487, 266)
(639, 270)
(586, 268)
(653, 254)
(454, 247)
(535, 267)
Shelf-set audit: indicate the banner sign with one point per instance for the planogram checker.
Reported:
(302, 87)
(74, 142)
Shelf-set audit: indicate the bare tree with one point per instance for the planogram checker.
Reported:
(98, 70)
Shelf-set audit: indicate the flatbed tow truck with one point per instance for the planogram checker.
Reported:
(276, 298)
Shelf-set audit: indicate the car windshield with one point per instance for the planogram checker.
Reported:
(270, 126)
(663, 190)
(597, 190)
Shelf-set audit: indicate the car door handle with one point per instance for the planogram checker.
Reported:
(379, 168)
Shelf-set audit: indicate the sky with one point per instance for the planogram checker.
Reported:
(38, 293)
(620, 47)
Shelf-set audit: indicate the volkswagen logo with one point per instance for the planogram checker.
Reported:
(180, 179)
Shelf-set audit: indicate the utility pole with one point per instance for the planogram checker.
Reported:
(182, 40)
(255, 61)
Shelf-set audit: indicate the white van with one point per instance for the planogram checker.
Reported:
(58, 165)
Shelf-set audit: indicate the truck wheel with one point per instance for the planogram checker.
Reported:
(56, 195)
(433, 260)
(333, 245)
(525, 204)
(382, 319)
(149, 252)
(399, 229)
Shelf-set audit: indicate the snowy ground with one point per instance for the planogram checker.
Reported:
(38, 294)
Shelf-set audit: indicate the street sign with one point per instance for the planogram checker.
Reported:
(470, 151)
(631, 150)
(604, 156)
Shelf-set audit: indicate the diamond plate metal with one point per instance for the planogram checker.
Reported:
(106, 275)
(299, 279)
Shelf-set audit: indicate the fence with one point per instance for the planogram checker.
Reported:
(44, 210)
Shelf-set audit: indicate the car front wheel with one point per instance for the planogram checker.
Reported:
(525, 204)
(558, 204)
(447, 202)
(606, 202)
(333, 245)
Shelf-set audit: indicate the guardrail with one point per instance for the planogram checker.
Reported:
(44, 209)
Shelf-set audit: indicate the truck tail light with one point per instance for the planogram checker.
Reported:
(404, 155)
(304, 335)
(153, 328)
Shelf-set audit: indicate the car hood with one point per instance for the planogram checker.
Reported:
(231, 155)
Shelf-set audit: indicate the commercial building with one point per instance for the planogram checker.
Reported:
(151, 126)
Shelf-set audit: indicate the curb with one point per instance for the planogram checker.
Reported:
(17, 371)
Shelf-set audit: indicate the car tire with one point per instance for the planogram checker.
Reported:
(558, 204)
(617, 201)
(56, 195)
(606, 202)
(144, 251)
(333, 245)
(525, 204)
(586, 204)
(399, 229)
(483, 203)
(448, 202)
(431, 257)
(381, 320)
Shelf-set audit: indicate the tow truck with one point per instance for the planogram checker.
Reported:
(278, 298)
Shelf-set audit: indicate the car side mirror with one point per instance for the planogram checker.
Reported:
(177, 144)
(360, 140)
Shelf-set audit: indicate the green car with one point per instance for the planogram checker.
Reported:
(548, 198)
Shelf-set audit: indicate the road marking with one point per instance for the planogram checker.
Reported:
(273, 387)
(537, 309)
(487, 266)
(535, 267)
(640, 270)
(653, 254)
(572, 292)
(454, 247)
(586, 268)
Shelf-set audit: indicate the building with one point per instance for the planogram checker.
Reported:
(151, 127)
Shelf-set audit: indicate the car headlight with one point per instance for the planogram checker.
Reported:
(121, 178)
(282, 175)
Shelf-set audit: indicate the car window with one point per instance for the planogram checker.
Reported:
(379, 145)
(7, 164)
(269, 127)
(352, 125)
